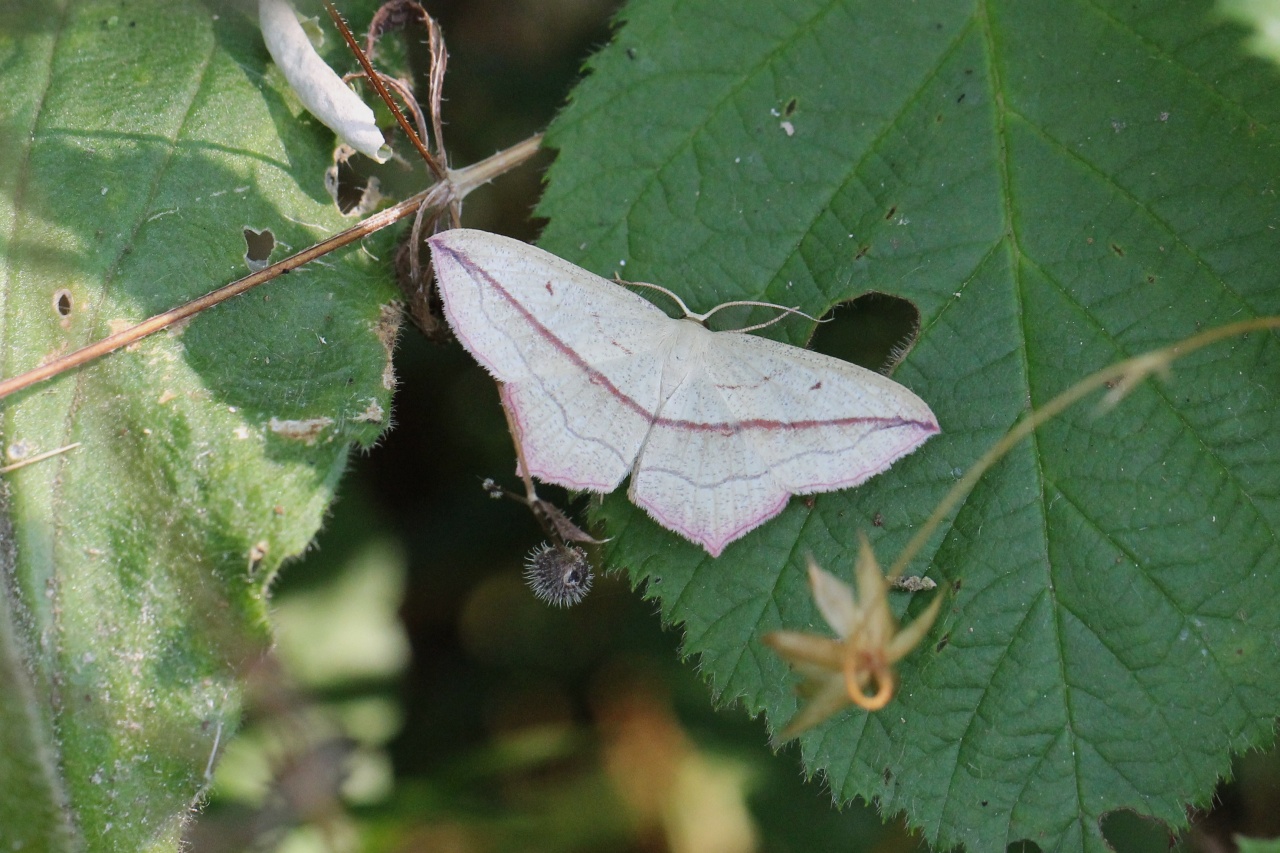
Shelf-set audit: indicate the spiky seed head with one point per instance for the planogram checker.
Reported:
(559, 576)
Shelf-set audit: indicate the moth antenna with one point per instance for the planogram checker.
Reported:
(702, 318)
(660, 289)
(785, 311)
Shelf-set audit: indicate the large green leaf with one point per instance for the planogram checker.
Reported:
(140, 139)
(1055, 186)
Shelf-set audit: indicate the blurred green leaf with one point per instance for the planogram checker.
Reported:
(1056, 187)
(140, 140)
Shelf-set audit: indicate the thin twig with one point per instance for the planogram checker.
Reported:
(531, 494)
(456, 186)
(39, 457)
(374, 78)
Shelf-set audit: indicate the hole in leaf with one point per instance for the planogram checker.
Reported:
(355, 192)
(62, 303)
(789, 110)
(874, 331)
(1125, 830)
(1022, 846)
(258, 248)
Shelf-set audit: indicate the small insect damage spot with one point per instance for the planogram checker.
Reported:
(306, 431)
(257, 553)
(63, 305)
(373, 413)
(258, 248)
(353, 191)
(19, 451)
(913, 583)
(875, 331)
(942, 643)
(891, 212)
(790, 109)
(388, 331)
(862, 252)
(1115, 247)
(817, 386)
(877, 520)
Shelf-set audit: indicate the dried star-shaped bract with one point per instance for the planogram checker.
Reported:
(843, 670)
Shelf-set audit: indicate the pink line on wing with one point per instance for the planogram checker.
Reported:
(568, 352)
(716, 545)
(539, 471)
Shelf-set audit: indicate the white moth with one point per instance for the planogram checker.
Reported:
(716, 429)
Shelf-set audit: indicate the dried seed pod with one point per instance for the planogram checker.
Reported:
(559, 576)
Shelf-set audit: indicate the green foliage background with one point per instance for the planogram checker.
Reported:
(1056, 187)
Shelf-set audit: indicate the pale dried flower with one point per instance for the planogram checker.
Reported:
(868, 642)
(321, 90)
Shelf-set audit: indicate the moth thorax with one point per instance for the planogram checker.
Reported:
(682, 354)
